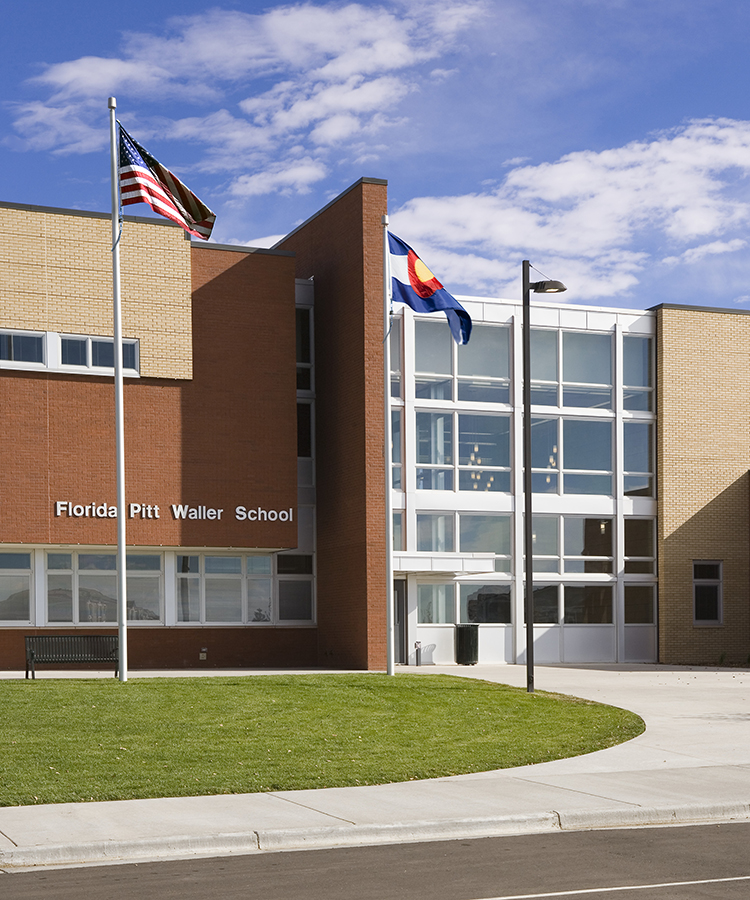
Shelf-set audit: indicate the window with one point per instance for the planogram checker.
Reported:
(585, 461)
(15, 587)
(20, 347)
(483, 452)
(587, 456)
(433, 361)
(546, 604)
(224, 589)
(486, 534)
(398, 530)
(640, 556)
(435, 533)
(435, 604)
(304, 355)
(638, 459)
(545, 537)
(637, 373)
(395, 346)
(587, 604)
(484, 603)
(707, 599)
(587, 545)
(60, 352)
(435, 451)
(397, 483)
(639, 604)
(82, 588)
(304, 430)
(96, 353)
(544, 376)
(586, 369)
(482, 367)
(295, 582)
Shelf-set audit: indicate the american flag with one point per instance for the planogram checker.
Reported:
(145, 180)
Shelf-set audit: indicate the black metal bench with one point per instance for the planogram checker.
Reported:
(71, 648)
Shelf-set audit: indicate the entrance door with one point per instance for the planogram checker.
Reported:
(399, 602)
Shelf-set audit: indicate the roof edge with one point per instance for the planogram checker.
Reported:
(315, 215)
(713, 309)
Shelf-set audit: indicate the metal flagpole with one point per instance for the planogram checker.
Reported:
(390, 636)
(528, 553)
(122, 603)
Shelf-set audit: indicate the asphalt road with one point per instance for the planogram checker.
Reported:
(675, 863)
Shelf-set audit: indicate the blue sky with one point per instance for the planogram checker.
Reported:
(606, 140)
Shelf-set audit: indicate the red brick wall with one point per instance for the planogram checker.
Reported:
(342, 248)
(226, 438)
(177, 648)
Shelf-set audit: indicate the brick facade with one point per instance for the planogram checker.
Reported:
(342, 249)
(56, 275)
(703, 452)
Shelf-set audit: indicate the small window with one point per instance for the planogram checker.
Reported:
(304, 430)
(435, 604)
(22, 347)
(15, 587)
(304, 355)
(484, 603)
(435, 533)
(707, 584)
(398, 530)
(395, 345)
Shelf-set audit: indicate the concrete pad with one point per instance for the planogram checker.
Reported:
(442, 799)
(34, 826)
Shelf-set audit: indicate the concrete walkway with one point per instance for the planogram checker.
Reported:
(691, 765)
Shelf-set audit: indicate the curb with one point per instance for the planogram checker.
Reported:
(277, 840)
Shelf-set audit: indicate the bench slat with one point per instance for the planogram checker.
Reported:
(71, 648)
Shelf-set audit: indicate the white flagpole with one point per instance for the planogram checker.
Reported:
(122, 601)
(390, 636)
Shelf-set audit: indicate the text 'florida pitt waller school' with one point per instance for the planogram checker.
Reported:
(178, 510)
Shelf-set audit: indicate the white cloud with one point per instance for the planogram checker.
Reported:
(594, 217)
(314, 77)
(695, 254)
(285, 177)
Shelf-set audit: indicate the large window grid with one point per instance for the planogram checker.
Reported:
(82, 588)
(450, 532)
(478, 372)
(571, 369)
(482, 451)
(572, 456)
(464, 603)
(573, 604)
(223, 589)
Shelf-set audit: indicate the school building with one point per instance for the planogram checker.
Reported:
(255, 471)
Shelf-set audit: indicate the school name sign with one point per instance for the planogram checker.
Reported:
(71, 510)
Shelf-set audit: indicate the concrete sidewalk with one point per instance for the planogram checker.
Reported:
(691, 765)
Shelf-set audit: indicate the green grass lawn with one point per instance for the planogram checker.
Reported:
(73, 740)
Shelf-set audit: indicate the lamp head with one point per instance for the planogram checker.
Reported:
(548, 287)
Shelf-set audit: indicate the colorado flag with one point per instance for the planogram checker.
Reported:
(414, 284)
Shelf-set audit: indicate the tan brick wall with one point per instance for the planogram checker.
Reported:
(56, 275)
(703, 459)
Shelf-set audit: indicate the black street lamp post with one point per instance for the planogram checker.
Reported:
(539, 287)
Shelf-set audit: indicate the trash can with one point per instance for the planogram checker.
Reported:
(467, 645)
